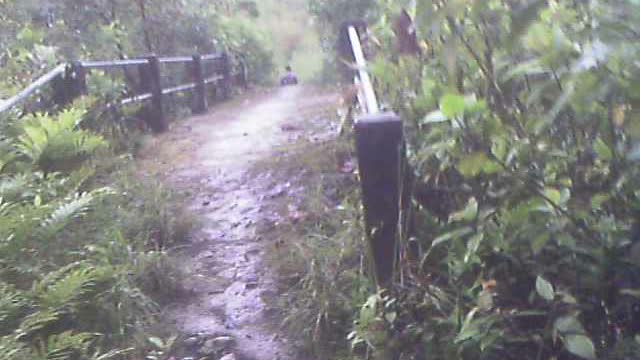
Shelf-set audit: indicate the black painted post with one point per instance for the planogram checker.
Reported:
(379, 143)
(151, 82)
(226, 74)
(78, 80)
(200, 92)
(70, 85)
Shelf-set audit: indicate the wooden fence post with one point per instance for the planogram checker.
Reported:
(71, 84)
(200, 92)
(379, 143)
(150, 76)
(226, 74)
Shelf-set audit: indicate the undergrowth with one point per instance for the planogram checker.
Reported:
(318, 252)
(83, 244)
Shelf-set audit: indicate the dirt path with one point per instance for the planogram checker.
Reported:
(210, 157)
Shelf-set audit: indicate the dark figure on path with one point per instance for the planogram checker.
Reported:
(290, 78)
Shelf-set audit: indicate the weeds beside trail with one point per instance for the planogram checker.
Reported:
(318, 252)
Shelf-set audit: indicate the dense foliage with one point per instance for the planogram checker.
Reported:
(522, 127)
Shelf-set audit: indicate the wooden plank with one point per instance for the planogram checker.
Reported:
(213, 79)
(136, 99)
(179, 88)
(212, 57)
(175, 60)
(113, 64)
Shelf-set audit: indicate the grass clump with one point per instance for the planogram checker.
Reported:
(319, 254)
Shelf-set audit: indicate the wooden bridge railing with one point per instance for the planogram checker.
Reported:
(380, 150)
(205, 70)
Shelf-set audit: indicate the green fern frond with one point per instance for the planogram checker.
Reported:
(11, 349)
(68, 346)
(13, 305)
(57, 144)
(66, 287)
(7, 154)
(71, 208)
(13, 187)
(71, 290)
(37, 324)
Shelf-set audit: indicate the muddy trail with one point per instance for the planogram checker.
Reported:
(211, 158)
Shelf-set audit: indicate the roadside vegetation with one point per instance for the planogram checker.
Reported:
(84, 235)
(522, 133)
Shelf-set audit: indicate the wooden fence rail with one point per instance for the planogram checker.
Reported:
(69, 81)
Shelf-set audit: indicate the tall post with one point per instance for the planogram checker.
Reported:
(379, 143)
(200, 92)
(70, 85)
(151, 83)
(78, 80)
(226, 74)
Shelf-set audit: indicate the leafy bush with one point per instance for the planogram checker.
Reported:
(521, 120)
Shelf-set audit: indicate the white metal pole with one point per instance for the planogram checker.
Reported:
(365, 80)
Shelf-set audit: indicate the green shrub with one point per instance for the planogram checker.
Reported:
(521, 118)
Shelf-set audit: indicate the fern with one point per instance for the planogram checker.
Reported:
(67, 346)
(7, 154)
(69, 291)
(13, 305)
(11, 349)
(71, 208)
(57, 144)
(37, 325)
(12, 188)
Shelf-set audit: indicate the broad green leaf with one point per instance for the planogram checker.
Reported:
(602, 149)
(554, 195)
(451, 235)
(598, 199)
(540, 241)
(580, 345)
(568, 325)
(473, 164)
(545, 289)
(473, 105)
(472, 246)
(452, 105)
(499, 147)
(157, 342)
(468, 213)
(470, 328)
(434, 117)
(531, 67)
